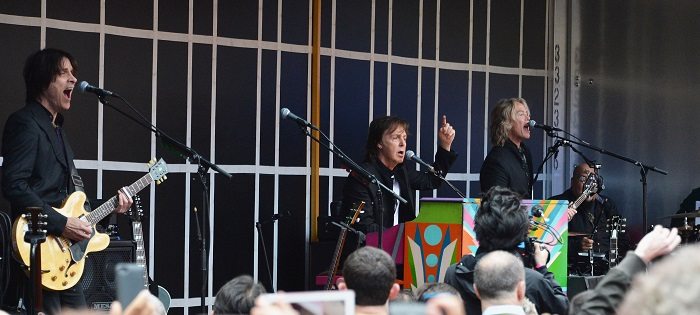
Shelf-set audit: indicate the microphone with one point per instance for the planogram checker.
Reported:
(286, 113)
(412, 156)
(86, 87)
(547, 128)
(536, 211)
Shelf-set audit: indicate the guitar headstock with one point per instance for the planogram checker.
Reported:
(617, 224)
(157, 170)
(135, 213)
(354, 213)
(36, 223)
(590, 187)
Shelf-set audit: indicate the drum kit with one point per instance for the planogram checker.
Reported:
(600, 259)
(589, 262)
(689, 233)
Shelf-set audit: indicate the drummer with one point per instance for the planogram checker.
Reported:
(588, 222)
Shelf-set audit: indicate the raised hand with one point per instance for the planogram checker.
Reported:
(446, 134)
(658, 242)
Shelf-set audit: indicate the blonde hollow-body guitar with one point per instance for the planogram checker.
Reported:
(63, 260)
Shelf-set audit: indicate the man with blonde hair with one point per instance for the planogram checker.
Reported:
(509, 163)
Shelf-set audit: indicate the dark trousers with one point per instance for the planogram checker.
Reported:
(53, 301)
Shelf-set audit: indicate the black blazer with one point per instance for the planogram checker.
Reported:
(503, 167)
(358, 189)
(35, 168)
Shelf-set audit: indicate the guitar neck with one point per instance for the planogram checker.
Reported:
(578, 201)
(613, 248)
(140, 250)
(106, 208)
(336, 257)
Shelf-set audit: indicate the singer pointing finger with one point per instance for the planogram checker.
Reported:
(385, 153)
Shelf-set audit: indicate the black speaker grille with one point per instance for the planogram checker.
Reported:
(98, 277)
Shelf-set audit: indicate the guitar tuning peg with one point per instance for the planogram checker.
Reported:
(165, 177)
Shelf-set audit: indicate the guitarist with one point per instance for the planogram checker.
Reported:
(38, 167)
(590, 217)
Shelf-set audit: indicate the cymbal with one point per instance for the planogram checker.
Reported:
(574, 234)
(684, 215)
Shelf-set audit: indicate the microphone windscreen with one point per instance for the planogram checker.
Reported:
(83, 86)
(284, 112)
(410, 154)
(532, 123)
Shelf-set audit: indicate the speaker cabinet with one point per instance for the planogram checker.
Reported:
(98, 278)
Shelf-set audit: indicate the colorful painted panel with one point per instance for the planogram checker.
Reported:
(553, 214)
(430, 248)
(437, 238)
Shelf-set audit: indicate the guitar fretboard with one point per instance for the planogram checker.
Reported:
(106, 208)
(140, 250)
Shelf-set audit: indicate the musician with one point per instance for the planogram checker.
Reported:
(691, 204)
(590, 218)
(384, 158)
(509, 163)
(38, 167)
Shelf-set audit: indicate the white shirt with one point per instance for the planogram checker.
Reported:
(397, 190)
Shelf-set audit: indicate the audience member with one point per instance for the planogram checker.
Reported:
(670, 287)
(405, 295)
(499, 282)
(371, 273)
(237, 296)
(430, 290)
(502, 224)
(609, 293)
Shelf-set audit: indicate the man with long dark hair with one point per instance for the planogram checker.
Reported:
(38, 168)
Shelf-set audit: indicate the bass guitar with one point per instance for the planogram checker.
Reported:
(351, 219)
(136, 214)
(63, 259)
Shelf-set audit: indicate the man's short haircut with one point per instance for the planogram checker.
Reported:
(376, 131)
(497, 275)
(237, 296)
(500, 223)
(41, 68)
(371, 273)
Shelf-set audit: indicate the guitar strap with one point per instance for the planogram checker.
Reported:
(75, 182)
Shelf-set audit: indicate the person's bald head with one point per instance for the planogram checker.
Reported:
(579, 177)
(499, 275)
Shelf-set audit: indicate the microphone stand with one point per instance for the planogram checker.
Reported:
(644, 168)
(357, 168)
(459, 192)
(258, 226)
(203, 166)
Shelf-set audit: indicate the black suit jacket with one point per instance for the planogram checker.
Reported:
(358, 189)
(36, 168)
(503, 167)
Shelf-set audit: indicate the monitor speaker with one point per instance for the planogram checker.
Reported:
(98, 277)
